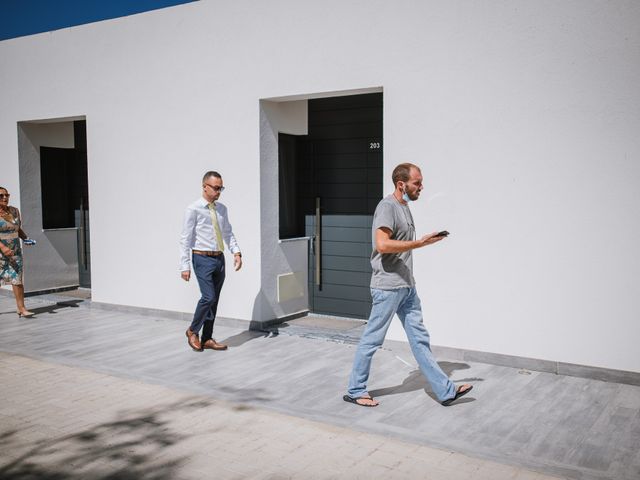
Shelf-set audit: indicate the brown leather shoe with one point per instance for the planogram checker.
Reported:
(193, 340)
(213, 345)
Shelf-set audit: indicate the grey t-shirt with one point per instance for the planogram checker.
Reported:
(392, 270)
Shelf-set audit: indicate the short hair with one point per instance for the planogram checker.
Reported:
(209, 174)
(402, 172)
(2, 188)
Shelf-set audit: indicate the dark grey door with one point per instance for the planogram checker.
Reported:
(338, 183)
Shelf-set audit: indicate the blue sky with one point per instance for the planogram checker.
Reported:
(26, 17)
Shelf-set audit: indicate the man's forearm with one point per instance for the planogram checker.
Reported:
(397, 246)
(384, 244)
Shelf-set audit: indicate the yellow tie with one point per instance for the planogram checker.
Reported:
(216, 227)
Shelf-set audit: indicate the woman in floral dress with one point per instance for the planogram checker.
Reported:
(11, 252)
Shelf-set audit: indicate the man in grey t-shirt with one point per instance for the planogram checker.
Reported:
(393, 291)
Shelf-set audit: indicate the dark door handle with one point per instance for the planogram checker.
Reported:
(317, 242)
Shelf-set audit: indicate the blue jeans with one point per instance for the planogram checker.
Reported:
(404, 302)
(210, 274)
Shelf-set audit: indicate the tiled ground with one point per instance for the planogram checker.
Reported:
(565, 426)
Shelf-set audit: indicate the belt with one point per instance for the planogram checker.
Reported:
(207, 253)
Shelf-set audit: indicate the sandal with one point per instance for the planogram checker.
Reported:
(459, 393)
(354, 400)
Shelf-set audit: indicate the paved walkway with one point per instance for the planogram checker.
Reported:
(120, 395)
(72, 423)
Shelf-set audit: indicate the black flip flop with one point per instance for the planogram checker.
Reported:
(349, 399)
(459, 394)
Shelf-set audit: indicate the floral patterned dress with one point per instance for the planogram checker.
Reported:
(10, 268)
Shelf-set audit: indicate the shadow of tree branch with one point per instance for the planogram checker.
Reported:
(130, 447)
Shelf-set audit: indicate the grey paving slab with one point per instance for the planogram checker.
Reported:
(567, 426)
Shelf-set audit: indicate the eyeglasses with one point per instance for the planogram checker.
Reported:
(4, 195)
(215, 188)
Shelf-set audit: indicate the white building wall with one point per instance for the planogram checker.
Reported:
(524, 116)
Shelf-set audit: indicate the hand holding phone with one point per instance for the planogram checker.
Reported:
(433, 238)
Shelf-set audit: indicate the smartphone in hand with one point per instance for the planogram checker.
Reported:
(443, 233)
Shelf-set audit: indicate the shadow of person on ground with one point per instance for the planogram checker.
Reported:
(130, 447)
(416, 381)
(51, 308)
(243, 337)
(58, 306)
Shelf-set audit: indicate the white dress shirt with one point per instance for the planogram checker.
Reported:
(198, 232)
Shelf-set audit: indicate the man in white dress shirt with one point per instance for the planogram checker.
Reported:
(206, 229)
